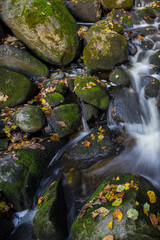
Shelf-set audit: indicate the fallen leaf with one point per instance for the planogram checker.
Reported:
(110, 225)
(55, 137)
(117, 214)
(61, 123)
(84, 225)
(92, 136)
(99, 46)
(100, 211)
(146, 208)
(132, 213)
(154, 220)
(117, 178)
(137, 203)
(120, 188)
(108, 237)
(87, 143)
(152, 196)
(117, 202)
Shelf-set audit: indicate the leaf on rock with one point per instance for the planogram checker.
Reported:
(132, 213)
(120, 188)
(87, 143)
(154, 220)
(108, 237)
(146, 208)
(117, 202)
(55, 137)
(117, 178)
(61, 123)
(110, 225)
(127, 186)
(152, 196)
(117, 214)
(100, 211)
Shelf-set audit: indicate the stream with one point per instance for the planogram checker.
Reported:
(140, 158)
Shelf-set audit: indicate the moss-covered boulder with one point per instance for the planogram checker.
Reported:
(147, 13)
(56, 86)
(105, 50)
(47, 28)
(119, 77)
(21, 61)
(30, 119)
(49, 222)
(90, 112)
(65, 119)
(123, 207)
(155, 60)
(20, 173)
(113, 4)
(151, 86)
(84, 10)
(14, 87)
(54, 99)
(90, 91)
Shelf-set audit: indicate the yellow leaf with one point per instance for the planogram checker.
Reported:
(117, 214)
(92, 136)
(137, 203)
(110, 225)
(104, 147)
(55, 137)
(108, 237)
(117, 202)
(127, 186)
(152, 196)
(117, 178)
(40, 200)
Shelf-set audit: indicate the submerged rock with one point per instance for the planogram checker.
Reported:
(84, 11)
(21, 61)
(90, 91)
(123, 207)
(65, 119)
(47, 28)
(16, 88)
(30, 119)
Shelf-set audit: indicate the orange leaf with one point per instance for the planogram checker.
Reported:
(154, 220)
(55, 137)
(117, 214)
(110, 225)
(61, 123)
(87, 143)
(109, 237)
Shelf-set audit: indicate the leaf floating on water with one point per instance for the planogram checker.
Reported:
(132, 213)
(117, 214)
(108, 237)
(146, 208)
(154, 220)
(110, 225)
(152, 196)
(100, 211)
(120, 188)
(61, 123)
(117, 202)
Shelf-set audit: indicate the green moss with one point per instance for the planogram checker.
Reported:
(54, 99)
(114, 4)
(126, 20)
(147, 12)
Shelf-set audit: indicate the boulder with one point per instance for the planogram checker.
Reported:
(56, 86)
(151, 86)
(119, 77)
(90, 111)
(84, 10)
(123, 207)
(21, 61)
(20, 173)
(90, 91)
(14, 87)
(54, 99)
(47, 28)
(30, 119)
(105, 50)
(114, 4)
(155, 60)
(65, 119)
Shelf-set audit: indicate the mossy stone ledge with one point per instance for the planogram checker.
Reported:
(46, 27)
(114, 4)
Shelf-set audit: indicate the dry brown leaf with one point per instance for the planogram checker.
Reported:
(154, 220)
(61, 123)
(100, 211)
(108, 237)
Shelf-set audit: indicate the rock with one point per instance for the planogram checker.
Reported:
(105, 50)
(124, 218)
(30, 119)
(146, 44)
(16, 87)
(132, 49)
(21, 61)
(144, 31)
(50, 221)
(3, 144)
(7, 227)
(58, 86)
(114, 4)
(90, 91)
(21, 173)
(54, 99)
(124, 107)
(119, 77)
(152, 86)
(48, 30)
(90, 111)
(65, 119)
(148, 14)
(154, 59)
(84, 11)
(60, 76)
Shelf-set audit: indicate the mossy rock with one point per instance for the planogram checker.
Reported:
(119, 77)
(15, 86)
(21, 61)
(155, 59)
(50, 220)
(20, 173)
(132, 193)
(59, 86)
(90, 91)
(114, 4)
(105, 51)
(65, 119)
(54, 99)
(102, 27)
(30, 119)
(147, 13)
(90, 111)
(153, 87)
(48, 30)
(3, 144)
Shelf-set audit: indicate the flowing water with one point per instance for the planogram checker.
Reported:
(144, 156)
